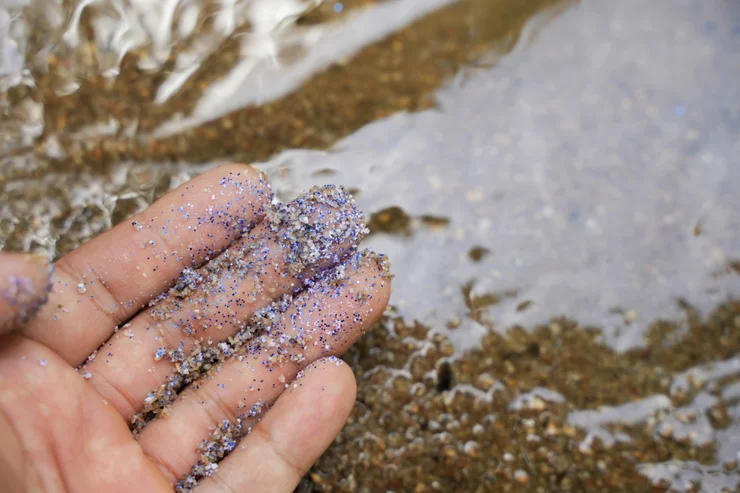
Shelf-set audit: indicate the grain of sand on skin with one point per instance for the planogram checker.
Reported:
(208, 307)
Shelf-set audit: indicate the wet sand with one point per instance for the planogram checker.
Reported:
(505, 416)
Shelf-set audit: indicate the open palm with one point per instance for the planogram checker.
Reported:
(192, 347)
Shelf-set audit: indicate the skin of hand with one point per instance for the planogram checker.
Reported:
(81, 343)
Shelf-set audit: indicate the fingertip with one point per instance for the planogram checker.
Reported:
(334, 382)
(310, 414)
(373, 270)
(246, 171)
(25, 281)
(382, 265)
(317, 229)
(243, 178)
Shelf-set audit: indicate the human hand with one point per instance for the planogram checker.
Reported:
(156, 346)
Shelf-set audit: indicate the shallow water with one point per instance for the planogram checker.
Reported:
(522, 163)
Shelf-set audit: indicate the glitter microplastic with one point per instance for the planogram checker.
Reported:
(302, 252)
(263, 338)
(253, 336)
(321, 226)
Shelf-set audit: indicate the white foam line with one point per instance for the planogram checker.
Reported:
(630, 414)
(700, 375)
(526, 400)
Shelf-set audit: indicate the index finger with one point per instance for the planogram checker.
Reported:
(109, 279)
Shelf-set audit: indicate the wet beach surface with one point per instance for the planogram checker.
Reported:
(556, 184)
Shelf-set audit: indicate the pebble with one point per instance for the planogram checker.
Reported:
(471, 448)
(521, 476)
(630, 316)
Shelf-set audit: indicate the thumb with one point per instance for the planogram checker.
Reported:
(25, 282)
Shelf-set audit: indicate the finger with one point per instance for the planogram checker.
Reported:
(25, 281)
(106, 281)
(324, 320)
(208, 306)
(301, 425)
(60, 426)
